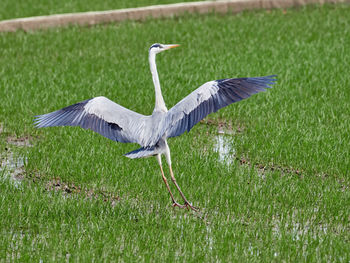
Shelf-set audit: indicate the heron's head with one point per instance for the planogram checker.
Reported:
(157, 48)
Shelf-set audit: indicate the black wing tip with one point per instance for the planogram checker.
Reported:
(263, 82)
(264, 78)
(271, 76)
(259, 83)
(37, 121)
(41, 121)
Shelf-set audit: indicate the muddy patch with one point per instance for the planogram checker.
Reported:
(20, 141)
(224, 126)
(12, 163)
(262, 168)
(57, 185)
(12, 169)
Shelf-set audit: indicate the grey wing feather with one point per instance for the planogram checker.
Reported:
(211, 97)
(100, 115)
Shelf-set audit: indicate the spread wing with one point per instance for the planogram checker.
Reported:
(210, 97)
(100, 115)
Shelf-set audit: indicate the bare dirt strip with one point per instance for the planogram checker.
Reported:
(156, 11)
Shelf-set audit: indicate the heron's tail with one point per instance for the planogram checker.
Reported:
(142, 152)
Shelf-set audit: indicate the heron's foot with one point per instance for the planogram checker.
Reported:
(188, 205)
(178, 205)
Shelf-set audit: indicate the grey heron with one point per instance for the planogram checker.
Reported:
(151, 132)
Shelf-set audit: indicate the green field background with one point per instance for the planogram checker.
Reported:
(283, 197)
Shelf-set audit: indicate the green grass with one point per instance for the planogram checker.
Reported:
(15, 9)
(247, 214)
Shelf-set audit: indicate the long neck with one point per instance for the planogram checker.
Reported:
(160, 104)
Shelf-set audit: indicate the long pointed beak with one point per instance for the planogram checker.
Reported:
(170, 46)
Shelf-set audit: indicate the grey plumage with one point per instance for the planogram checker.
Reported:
(100, 115)
(151, 132)
(211, 97)
(120, 124)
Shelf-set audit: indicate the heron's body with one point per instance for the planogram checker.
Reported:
(151, 132)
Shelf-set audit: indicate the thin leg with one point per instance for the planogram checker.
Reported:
(166, 183)
(168, 187)
(187, 204)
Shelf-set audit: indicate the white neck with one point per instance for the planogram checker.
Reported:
(160, 104)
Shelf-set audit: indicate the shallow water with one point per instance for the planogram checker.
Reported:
(223, 146)
(11, 169)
